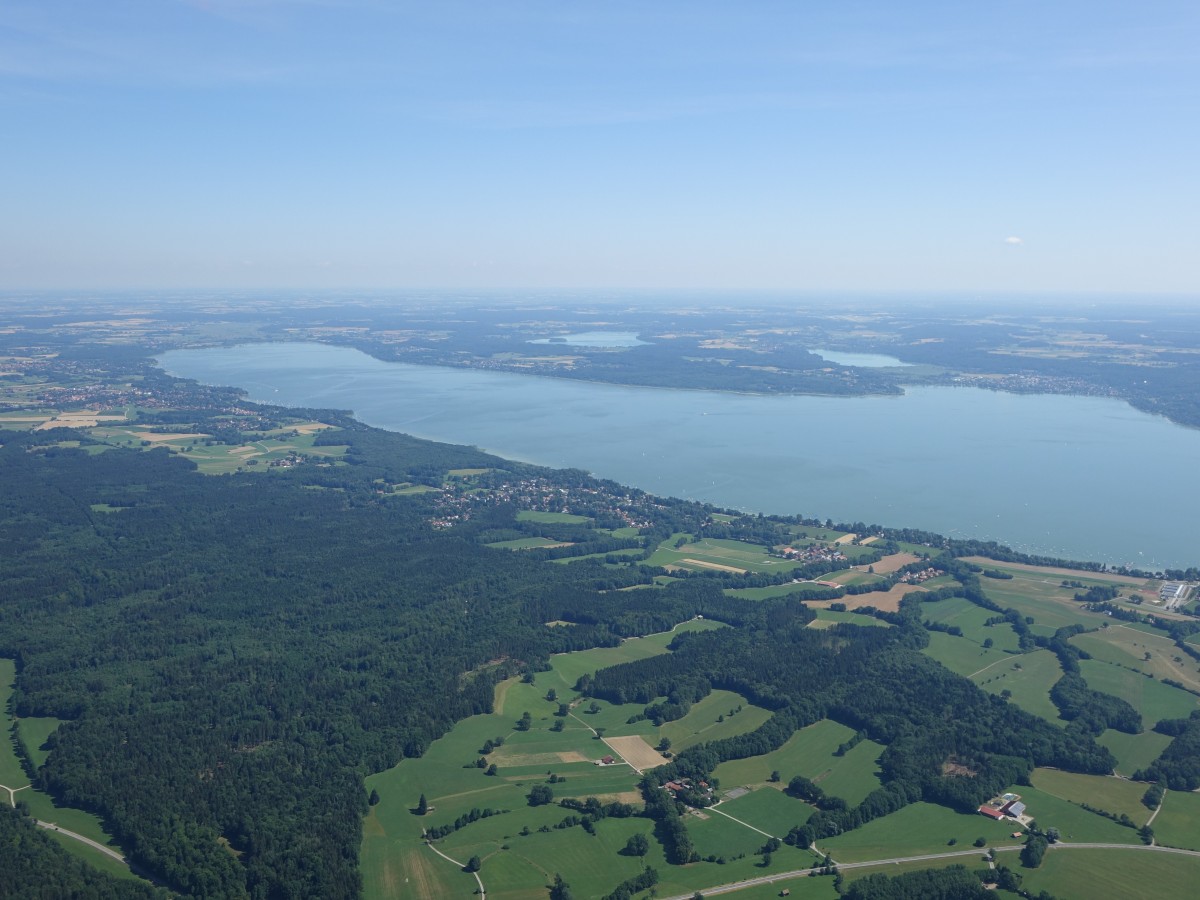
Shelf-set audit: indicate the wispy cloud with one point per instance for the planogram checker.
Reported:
(1014, 241)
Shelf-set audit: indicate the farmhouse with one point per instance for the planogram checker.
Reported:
(605, 761)
(991, 812)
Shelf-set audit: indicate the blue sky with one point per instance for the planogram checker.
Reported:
(919, 146)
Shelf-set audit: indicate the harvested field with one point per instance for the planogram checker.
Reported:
(635, 751)
(310, 427)
(846, 538)
(711, 565)
(538, 759)
(79, 420)
(888, 601)
(869, 540)
(894, 562)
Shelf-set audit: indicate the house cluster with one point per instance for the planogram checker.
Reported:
(918, 577)
(541, 495)
(683, 785)
(815, 553)
(1006, 806)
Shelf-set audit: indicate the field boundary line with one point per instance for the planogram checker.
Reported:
(740, 822)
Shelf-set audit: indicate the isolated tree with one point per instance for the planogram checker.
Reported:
(473, 864)
(422, 806)
(552, 695)
(637, 845)
(664, 744)
(540, 795)
(374, 798)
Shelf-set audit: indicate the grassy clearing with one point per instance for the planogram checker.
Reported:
(961, 655)
(34, 732)
(974, 863)
(1134, 751)
(801, 888)
(555, 518)
(11, 773)
(1114, 874)
(1029, 678)
(716, 716)
(1114, 795)
(1178, 824)
(527, 543)
(834, 616)
(1153, 699)
(916, 829)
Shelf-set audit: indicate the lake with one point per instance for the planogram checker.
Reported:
(1075, 477)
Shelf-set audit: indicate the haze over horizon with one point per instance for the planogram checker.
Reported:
(1012, 147)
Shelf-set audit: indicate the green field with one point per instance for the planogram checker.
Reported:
(810, 752)
(916, 829)
(526, 543)
(1134, 751)
(961, 655)
(553, 518)
(769, 810)
(830, 617)
(34, 732)
(1130, 647)
(701, 723)
(11, 773)
(1178, 823)
(1029, 677)
(1113, 874)
(964, 614)
(1114, 795)
(1074, 822)
(1153, 699)
(718, 552)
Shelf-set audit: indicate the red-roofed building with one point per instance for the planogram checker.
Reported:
(991, 812)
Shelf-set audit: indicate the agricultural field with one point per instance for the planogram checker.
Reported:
(1153, 699)
(712, 554)
(551, 518)
(917, 829)
(1178, 822)
(528, 543)
(961, 655)
(1029, 678)
(721, 714)
(1153, 654)
(961, 613)
(1113, 874)
(277, 446)
(1073, 821)
(1114, 795)
(769, 810)
(1134, 751)
(827, 618)
(811, 752)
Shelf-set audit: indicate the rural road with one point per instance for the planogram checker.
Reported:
(108, 851)
(799, 873)
(478, 880)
